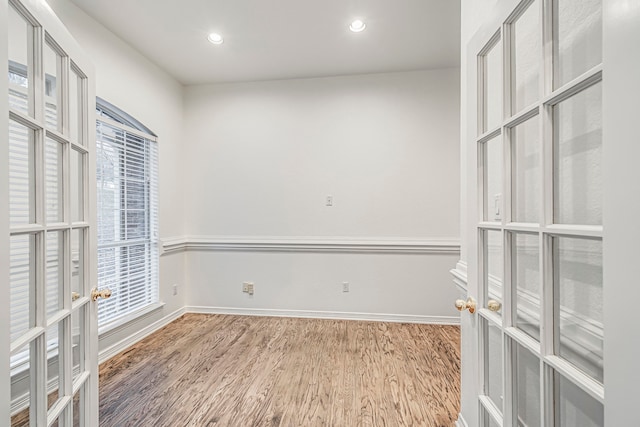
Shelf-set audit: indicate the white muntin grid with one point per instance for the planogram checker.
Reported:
(546, 350)
(47, 119)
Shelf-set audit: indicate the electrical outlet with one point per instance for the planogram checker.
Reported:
(245, 286)
(329, 201)
(175, 289)
(345, 286)
(250, 288)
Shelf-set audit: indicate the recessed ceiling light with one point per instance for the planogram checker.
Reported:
(215, 38)
(357, 26)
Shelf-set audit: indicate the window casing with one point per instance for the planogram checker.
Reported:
(127, 179)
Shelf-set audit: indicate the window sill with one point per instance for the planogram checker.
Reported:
(140, 314)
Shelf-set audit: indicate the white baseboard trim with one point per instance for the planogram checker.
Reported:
(310, 244)
(460, 422)
(122, 345)
(308, 314)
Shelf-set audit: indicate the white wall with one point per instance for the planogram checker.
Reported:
(131, 82)
(256, 160)
(262, 157)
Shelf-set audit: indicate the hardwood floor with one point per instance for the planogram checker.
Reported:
(206, 370)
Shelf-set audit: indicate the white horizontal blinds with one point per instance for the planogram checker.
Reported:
(54, 271)
(53, 156)
(127, 219)
(21, 171)
(21, 272)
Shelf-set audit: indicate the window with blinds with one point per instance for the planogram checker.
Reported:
(127, 175)
(127, 180)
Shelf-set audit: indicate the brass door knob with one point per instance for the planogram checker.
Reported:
(104, 293)
(494, 305)
(75, 296)
(469, 304)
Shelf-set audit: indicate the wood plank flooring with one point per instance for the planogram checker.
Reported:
(219, 370)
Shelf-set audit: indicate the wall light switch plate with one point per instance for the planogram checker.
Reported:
(497, 207)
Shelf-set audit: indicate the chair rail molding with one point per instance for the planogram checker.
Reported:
(310, 244)
(460, 276)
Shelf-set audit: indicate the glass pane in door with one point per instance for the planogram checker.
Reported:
(54, 368)
(77, 172)
(492, 179)
(525, 279)
(21, 390)
(79, 404)
(492, 93)
(53, 180)
(494, 266)
(19, 32)
(578, 285)
(52, 89)
(526, 168)
(54, 271)
(493, 363)
(75, 106)
(577, 151)
(22, 202)
(575, 407)
(527, 388)
(526, 58)
(22, 276)
(578, 38)
(77, 261)
(78, 336)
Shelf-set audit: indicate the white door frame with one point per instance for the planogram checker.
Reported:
(5, 375)
(621, 155)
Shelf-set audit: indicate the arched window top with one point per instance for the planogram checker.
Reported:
(110, 111)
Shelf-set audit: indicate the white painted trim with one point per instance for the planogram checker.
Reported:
(309, 314)
(132, 339)
(460, 422)
(310, 244)
(169, 245)
(460, 276)
(127, 128)
(139, 314)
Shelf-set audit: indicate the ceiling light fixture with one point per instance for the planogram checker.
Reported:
(357, 26)
(215, 38)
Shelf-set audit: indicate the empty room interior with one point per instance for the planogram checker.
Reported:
(305, 213)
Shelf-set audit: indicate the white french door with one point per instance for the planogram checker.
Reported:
(536, 251)
(48, 167)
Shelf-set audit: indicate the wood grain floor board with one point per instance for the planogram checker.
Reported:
(237, 371)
